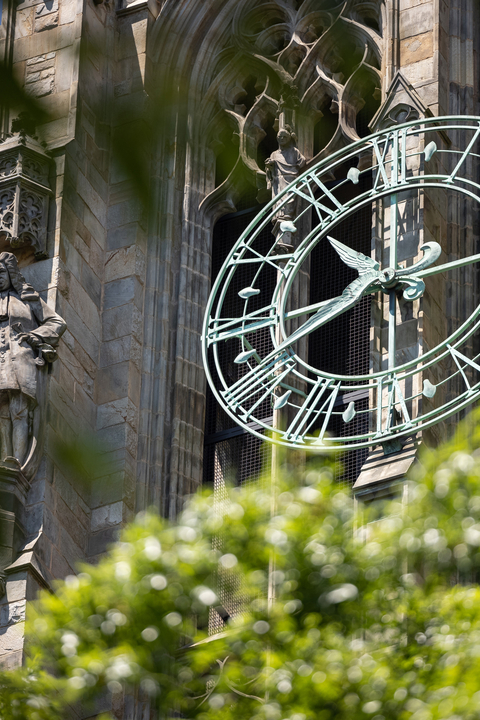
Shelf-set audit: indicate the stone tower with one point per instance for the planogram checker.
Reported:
(158, 116)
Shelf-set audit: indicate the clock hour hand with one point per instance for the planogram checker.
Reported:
(369, 276)
(332, 308)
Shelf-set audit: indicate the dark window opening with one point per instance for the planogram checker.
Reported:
(248, 97)
(345, 56)
(226, 157)
(372, 102)
(342, 346)
(231, 453)
(269, 143)
(373, 23)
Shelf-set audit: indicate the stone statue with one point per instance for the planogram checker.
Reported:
(29, 333)
(282, 167)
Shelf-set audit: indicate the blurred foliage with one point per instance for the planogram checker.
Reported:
(14, 98)
(131, 131)
(380, 620)
(83, 460)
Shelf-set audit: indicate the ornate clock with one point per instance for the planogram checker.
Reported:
(408, 176)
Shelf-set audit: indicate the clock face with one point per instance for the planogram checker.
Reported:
(415, 285)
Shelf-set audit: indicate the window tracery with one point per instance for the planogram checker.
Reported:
(318, 63)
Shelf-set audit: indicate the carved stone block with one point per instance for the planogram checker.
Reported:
(24, 194)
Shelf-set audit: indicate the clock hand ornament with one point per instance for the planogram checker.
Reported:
(409, 276)
(370, 279)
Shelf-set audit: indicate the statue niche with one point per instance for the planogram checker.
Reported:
(29, 333)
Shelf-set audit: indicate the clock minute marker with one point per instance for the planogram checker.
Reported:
(248, 292)
(349, 413)
(429, 389)
(228, 328)
(458, 357)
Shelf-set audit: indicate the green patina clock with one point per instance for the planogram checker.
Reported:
(406, 391)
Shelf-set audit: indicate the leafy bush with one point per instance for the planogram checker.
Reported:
(380, 621)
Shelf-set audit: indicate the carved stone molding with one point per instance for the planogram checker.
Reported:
(295, 63)
(401, 104)
(24, 194)
(13, 493)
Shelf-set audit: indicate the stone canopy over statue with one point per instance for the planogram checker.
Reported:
(29, 332)
(283, 167)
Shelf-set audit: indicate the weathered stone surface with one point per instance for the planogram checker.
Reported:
(418, 72)
(16, 589)
(40, 74)
(41, 274)
(24, 22)
(115, 412)
(416, 20)
(122, 320)
(106, 516)
(416, 48)
(68, 11)
(112, 382)
(100, 541)
(46, 8)
(46, 22)
(12, 613)
(124, 262)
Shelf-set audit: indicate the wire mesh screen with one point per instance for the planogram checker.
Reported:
(237, 457)
(342, 345)
(231, 454)
(349, 463)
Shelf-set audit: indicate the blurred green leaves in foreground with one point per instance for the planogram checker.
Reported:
(377, 619)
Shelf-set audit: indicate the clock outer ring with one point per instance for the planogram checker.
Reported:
(460, 402)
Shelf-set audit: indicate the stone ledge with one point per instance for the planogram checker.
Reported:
(381, 471)
(11, 477)
(28, 562)
(137, 6)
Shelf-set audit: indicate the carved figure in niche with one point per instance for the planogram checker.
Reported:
(29, 332)
(282, 167)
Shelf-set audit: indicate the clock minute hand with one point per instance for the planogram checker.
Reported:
(451, 265)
